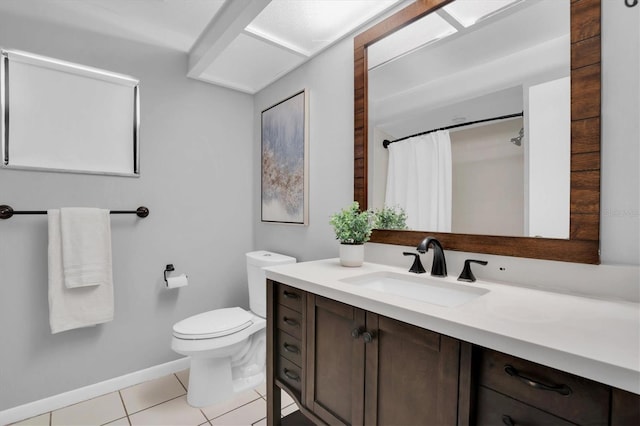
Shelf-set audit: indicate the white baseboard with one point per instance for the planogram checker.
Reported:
(65, 399)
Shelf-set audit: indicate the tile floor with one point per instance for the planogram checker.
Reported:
(161, 402)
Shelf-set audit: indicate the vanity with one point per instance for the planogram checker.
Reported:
(350, 352)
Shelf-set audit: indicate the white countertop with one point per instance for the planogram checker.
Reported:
(593, 338)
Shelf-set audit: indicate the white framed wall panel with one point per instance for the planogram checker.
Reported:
(62, 116)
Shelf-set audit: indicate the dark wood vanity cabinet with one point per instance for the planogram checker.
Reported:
(367, 369)
(360, 368)
(347, 366)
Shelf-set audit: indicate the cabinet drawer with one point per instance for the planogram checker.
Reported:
(290, 297)
(625, 408)
(289, 347)
(495, 409)
(573, 398)
(290, 321)
(290, 374)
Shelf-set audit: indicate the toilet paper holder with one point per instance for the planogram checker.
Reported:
(168, 268)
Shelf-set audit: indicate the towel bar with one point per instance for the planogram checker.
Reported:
(7, 211)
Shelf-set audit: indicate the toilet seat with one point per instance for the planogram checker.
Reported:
(212, 324)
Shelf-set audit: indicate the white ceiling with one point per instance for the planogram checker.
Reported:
(471, 74)
(241, 44)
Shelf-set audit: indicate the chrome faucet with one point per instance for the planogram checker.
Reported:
(439, 265)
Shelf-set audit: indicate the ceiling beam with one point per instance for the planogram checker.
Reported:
(230, 21)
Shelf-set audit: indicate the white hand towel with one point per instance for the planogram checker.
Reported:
(86, 246)
(73, 307)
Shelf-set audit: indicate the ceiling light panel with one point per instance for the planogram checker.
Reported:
(468, 12)
(308, 26)
(422, 32)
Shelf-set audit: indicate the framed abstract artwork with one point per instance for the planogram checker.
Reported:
(284, 154)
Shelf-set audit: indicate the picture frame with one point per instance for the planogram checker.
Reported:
(285, 161)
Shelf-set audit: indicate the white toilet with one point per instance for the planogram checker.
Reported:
(228, 346)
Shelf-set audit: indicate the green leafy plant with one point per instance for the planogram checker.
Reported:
(390, 218)
(351, 225)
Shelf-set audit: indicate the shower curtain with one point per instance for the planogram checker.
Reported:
(419, 180)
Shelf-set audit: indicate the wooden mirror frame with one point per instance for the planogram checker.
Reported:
(583, 243)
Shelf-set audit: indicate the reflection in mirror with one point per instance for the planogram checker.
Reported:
(461, 64)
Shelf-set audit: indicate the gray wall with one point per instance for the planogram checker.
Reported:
(196, 163)
(330, 79)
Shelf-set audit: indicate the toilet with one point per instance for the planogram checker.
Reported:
(227, 347)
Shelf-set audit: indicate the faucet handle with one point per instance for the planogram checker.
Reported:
(416, 267)
(466, 274)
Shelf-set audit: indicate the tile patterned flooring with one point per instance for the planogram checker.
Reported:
(162, 402)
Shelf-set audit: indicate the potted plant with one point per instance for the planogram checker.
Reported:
(390, 218)
(353, 229)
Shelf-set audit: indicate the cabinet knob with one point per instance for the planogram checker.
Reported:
(507, 421)
(291, 375)
(368, 336)
(291, 322)
(356, 332)
(291, 348)
(289, 295)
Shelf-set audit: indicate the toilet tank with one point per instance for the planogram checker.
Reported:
(256, 278)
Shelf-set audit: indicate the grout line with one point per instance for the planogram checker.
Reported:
(205, 416)
(184, 387)
(258, 421)
(155, 405)
(126, 412)
(119, 418)
(233, 409)
(125, 407)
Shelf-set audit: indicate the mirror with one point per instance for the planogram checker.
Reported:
(578, 240)
(494, 181)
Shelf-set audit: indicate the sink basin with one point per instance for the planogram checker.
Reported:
(423, 288)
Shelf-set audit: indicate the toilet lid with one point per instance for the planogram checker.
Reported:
(218, 323)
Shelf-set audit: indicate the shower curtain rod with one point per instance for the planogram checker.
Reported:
(386, 142)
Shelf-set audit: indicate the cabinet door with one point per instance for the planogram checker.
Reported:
(335, 361)
(411, 375)
(625, 408)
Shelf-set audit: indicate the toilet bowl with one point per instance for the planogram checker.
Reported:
(227, 347)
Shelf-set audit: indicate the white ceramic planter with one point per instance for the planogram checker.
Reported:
(351, 254)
